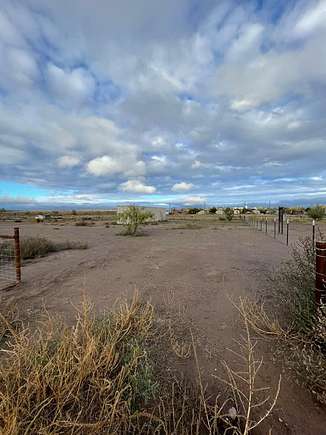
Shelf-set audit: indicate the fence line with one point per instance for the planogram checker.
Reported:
(10, 262)
(275, 228)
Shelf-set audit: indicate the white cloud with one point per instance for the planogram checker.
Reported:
(68, 161)
(312, 19)
(107, 165)
(182, 187)
(194, 200)
(77, 84)
(136, 186)
(230, 96)
(104, 165)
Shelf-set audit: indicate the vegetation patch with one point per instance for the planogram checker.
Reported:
(99, 376)
(132, 217)
(33, 247)
(299, 328)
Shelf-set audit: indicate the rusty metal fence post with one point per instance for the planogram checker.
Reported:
(287, 232)
(17, 255)
(320, 290)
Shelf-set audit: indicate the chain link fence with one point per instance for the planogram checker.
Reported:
(10, 264)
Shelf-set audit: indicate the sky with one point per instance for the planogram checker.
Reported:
(184, 102)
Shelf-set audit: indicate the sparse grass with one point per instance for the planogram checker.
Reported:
(99, 376)
(84, 223)
(33, 247)
(187, 226)
(298, 327)
(9, 324)
(293, 286)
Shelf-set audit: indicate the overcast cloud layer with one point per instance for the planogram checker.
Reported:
(184, 101)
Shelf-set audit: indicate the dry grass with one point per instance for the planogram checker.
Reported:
(99, 377)
(303, 351)
(86, 379)
(33, 247)
(292, 287)
(252, 404)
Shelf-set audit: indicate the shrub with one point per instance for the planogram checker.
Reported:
(213, 210)
(302, 339)
(100, 376)
(94, 377)
(82, 224)
(33, 247)
(294, 284)
(132, 217)
(194, 210)
(229, 213)
(317, 212)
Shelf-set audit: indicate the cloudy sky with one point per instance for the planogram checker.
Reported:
(187, 101)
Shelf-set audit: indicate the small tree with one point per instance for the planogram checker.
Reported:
(194, 210)
(213, 210)
(132, 217)
(317, 212)
(229, 213)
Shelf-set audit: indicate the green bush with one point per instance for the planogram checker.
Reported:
(194, 210)
(229, 213)
(317, 212)
(213, 210)
(132, 217)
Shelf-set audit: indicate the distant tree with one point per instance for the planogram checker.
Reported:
(229, 213)
(74, 212)
(2, 210)
(193, 210)
(317, 212)
(132, 217)
(213, 210)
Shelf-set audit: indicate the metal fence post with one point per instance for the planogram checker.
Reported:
(266, 226)
(274, 228)
(313, 233)
(320, 291)
(17, 255)
(287, 232)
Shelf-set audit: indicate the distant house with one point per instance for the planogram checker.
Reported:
(158, 213)
(39, 218)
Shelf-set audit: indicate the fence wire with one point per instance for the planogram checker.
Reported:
(7, 263)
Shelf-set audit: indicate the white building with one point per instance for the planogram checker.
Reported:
(39, 218)
(158, 213)
(220, 211)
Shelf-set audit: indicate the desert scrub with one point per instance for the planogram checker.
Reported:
(293, 287)
(32, 247)
(294, 320)
(92, 378)
(132, 217)
(99, 376)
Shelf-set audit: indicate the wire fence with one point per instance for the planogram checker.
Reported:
(283, 230)
(10, 265)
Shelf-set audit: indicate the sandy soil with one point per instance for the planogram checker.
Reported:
(195, 271)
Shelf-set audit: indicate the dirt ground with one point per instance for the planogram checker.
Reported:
(191, 268)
